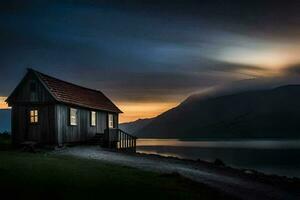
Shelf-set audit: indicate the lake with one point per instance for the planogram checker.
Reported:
(280, 157)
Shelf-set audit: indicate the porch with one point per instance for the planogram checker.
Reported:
(115, 138)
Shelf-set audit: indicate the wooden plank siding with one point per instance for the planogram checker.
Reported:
(42, 132)
(23, 95)
(116, 120)
(83, 131)
(23, 99)
(101, 121)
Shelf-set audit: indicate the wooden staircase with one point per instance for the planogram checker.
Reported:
(96, 140)
(115, 139)
(120, 140)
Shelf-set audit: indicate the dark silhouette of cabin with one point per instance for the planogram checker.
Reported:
(49, 111)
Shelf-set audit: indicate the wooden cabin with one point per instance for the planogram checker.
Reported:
(50, 111)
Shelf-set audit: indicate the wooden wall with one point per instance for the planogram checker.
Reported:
(42, 132)
(116, 120)
(23, 94)
(23, 99)
(83, 131)
(54, 127)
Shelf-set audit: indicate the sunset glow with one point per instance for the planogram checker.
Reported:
(165, 53)
(140, 110)
(271, 57)
(155, 99)
(3, 104)
(131, 110)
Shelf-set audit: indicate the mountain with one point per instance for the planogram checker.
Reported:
(132, 127)
(273, 113)
(5, 120)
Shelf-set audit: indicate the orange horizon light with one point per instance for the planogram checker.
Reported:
(3, 104)
(142, 110)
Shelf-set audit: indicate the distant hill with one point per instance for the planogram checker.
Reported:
(5, 120)
(273, 113)
(132, 127)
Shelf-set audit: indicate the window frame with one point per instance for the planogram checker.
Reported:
(70, 116)
(91, 118)
(111, 120)
(34, 114)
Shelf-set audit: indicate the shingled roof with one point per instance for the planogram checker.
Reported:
(70, 93)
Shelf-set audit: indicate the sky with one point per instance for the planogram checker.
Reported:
(148, 56)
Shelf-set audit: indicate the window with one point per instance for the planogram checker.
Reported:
(93, 118)
(34, 116)
(73, 116)
(111, 121)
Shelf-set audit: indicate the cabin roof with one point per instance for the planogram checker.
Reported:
(73, 94)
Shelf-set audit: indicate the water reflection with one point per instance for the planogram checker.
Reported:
(260, 144)
(273, 156)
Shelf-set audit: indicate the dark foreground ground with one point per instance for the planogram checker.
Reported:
(89, 172)
(49, 176)
(243, 184)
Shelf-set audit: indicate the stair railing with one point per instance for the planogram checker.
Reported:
(126, 141)
(120, 140)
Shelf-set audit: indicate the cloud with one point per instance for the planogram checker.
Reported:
(151, 51)
(293, 70)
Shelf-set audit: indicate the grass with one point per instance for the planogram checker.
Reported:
(5, 139)
(43, 175)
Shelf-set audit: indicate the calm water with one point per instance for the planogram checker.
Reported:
(270, 157)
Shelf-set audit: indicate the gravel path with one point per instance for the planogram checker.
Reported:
(231, 183)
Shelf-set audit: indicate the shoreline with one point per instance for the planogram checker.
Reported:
(245, 170)
(267, 157)
(223, 139)
(223, 166)
(235, 182)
